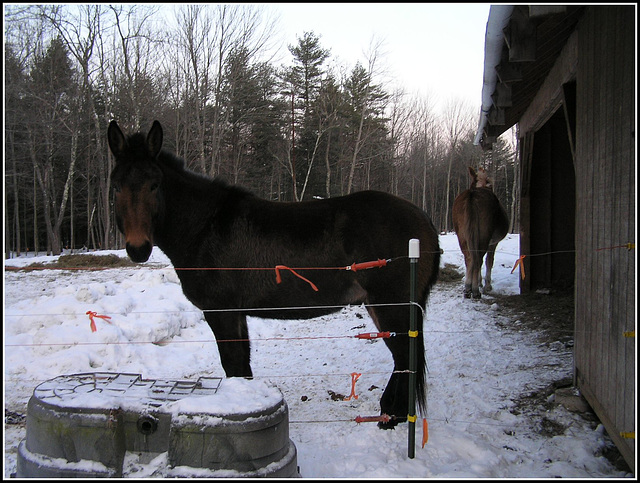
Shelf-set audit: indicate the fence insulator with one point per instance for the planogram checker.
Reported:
(385, 418)
(375, 335)
(364, 265)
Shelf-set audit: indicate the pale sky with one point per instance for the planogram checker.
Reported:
(434, 50)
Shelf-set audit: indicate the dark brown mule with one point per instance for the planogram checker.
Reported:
(480, 222)
(200, 222)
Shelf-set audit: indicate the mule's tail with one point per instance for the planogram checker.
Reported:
(432, 273)
(421, 376)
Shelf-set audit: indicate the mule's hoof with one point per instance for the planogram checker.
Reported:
(392, 423)
(477, 296)
(467, 294)
(387, 425)
(487, 288)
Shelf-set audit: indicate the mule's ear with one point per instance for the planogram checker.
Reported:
(117, 142)
(472, 173)
(154, 139)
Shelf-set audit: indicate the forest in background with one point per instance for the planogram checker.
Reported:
(286, 132)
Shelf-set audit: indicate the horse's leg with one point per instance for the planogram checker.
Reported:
(395, 398)
(468, 264)
(232, 336)
(476, 272)
(487, 278)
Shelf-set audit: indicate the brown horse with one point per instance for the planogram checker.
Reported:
(200, 222)
(480, 222)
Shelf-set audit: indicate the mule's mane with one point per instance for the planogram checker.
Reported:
(138, 145)
(172, 160)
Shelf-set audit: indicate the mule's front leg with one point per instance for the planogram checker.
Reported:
(232, 336)
(395, 398)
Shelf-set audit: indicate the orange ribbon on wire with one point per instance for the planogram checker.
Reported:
(354, 377)
(519, 262)
(284, 267)
(425, 431)
(95, 314)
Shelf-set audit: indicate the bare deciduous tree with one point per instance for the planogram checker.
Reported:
(458, 120)
(209, 76)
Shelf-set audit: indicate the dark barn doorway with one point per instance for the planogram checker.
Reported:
(549, 212)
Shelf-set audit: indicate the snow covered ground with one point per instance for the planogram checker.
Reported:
(480, 361)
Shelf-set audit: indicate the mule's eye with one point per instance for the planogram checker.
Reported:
(154, 186)
(116, 188)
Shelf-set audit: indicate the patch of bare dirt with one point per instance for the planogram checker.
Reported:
(549, 313)
(449, 274)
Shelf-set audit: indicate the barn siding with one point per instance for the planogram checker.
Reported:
(605, 217)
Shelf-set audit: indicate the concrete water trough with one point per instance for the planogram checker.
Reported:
(118, 425)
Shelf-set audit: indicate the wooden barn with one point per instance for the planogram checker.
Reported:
(566, 75)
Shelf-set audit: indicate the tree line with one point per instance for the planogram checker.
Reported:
(288, 132)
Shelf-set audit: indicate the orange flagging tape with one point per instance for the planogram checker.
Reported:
(95, 314)
(519, 262)
(284, 267)
(425, 431)
(354, 377)
(354, 267)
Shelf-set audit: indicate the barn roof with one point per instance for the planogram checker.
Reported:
(522, 43)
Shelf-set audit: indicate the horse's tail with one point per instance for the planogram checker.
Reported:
(421, 376)
(432, 247)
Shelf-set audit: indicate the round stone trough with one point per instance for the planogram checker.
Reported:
(118, 425)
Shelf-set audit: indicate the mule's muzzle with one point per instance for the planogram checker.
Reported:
(139, 254)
